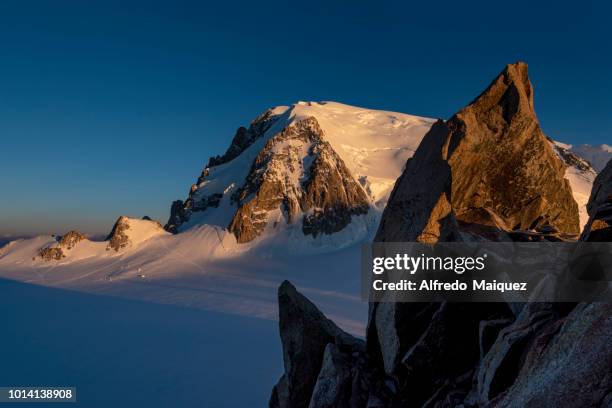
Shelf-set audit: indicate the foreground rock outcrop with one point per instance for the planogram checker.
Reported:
(489, 168)
(321, 361)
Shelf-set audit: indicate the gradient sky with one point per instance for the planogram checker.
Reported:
(110, 108)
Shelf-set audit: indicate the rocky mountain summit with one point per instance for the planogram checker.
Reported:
(488, 173)
(487, 169)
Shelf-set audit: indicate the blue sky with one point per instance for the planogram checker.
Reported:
(110, 108)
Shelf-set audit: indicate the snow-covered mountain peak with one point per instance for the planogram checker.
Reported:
(367, 148)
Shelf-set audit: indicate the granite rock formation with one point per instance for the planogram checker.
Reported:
(320, 359)
(488, 168)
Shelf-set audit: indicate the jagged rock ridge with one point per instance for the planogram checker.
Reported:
(489, 165)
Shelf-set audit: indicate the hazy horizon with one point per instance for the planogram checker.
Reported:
(112, 109)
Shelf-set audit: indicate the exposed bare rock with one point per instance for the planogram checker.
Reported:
(494, 166)
(333, 386)
(177, 216)
(569, 367)
(446, 350)
(599, 226)
(419, 207)
(501, 363)
(51, 253)
(71, 238)
(562, 361)
(488, 332)
(64, 243)
(118, 237)
(306, 334)
(298, 172)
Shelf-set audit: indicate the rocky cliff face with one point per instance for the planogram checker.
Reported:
(297, 172)
(489, 168)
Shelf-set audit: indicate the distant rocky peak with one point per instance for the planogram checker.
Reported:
(130, 231)
(63, 244)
